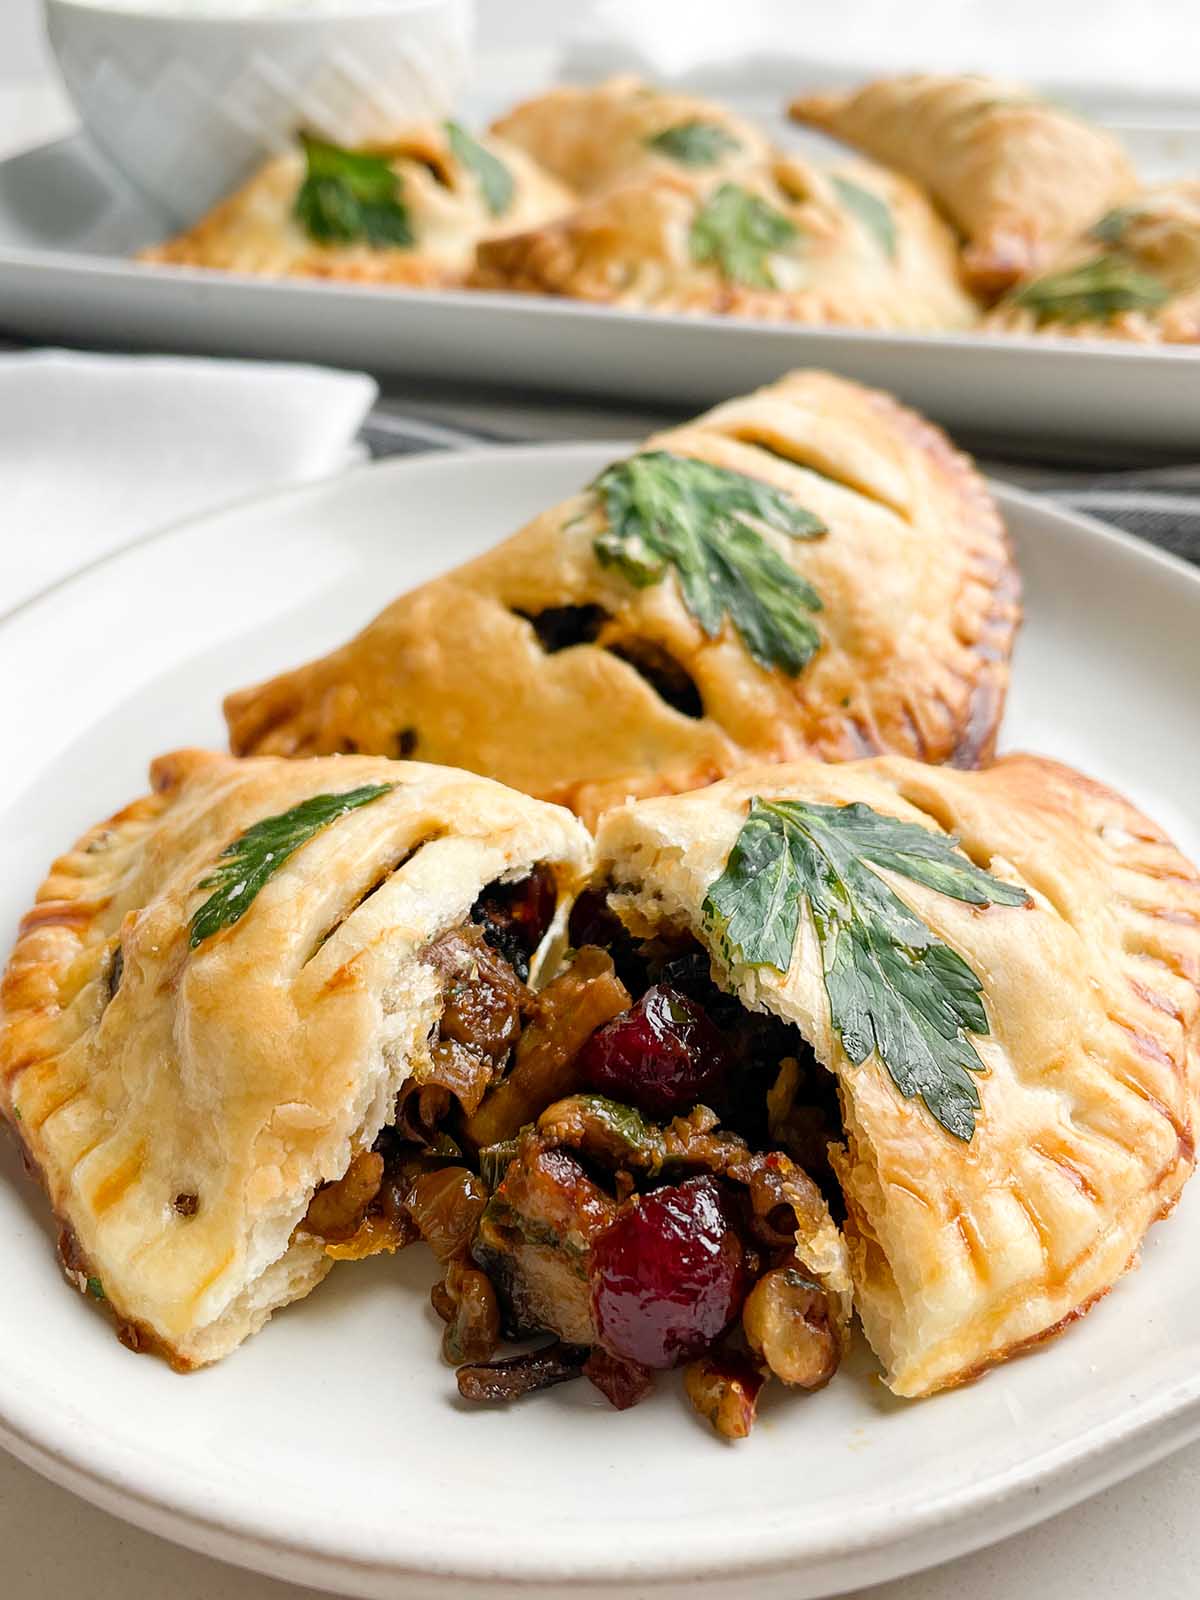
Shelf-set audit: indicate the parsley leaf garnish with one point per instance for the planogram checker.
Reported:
(495, 180)
(894, 988)
(1111, 227)
(694, 144)
(1095, 290)
(668, 511)
(257, 855)
(738, 231)
(874, 214)
(348, 195)
(96, 1289)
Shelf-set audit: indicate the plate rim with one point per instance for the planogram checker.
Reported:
(966, 1519)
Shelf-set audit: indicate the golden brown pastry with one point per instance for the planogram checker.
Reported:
(593, 137)
(1134, 275)
(1017, 1075)
(1017, 175)
(855, 246)
(408, 213)
(213, 1005)
(809, 569)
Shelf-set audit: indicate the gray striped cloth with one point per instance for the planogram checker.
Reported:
(1160, 504)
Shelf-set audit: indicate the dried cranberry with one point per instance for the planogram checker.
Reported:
(662, 1055)
(668, 1275)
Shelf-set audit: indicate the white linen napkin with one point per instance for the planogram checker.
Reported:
(96, 451)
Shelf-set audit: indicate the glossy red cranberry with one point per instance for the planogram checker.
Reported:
(663, 1055)
(668, 1275)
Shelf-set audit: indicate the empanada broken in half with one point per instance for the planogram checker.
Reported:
(592, 137)
(406, 213)
(1020, 177)
(1012, 1022)
(225, 995)
(783, 241)
(810, 569)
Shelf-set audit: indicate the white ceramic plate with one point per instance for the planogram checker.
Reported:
(333, 1448)
(69, 225)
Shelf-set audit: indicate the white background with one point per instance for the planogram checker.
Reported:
(1136, 1540)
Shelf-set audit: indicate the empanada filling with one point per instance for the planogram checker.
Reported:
(564, 627)
(625, 1159)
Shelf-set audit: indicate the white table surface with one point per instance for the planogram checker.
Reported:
(1135, 1540)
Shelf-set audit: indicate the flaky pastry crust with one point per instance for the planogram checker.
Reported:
(1018, 176)
(256, 230)
(965, 1253)
(182, 1105)
(635, 247)
(592, 137)
(920, 606)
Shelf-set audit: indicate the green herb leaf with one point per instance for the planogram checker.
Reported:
(738, 231)
(1111, 227)
(694, 144)
(874, 214)
(96, 1289)
(348, 195)
(257, 855)
(666, 511)
(618, 1131)
(1092, 292)
(495, 1160)
(894, 988)
(495, 180)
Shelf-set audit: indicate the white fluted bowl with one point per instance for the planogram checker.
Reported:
(188, 103)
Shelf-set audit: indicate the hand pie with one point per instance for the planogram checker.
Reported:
(808, 569)
(593, 137)
(1134, 275)
(1017, 175)
(410, 212)
(218, 997)
(1052, 1023)
(856, 246)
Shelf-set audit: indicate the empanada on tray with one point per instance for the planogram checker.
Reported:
(784, 241)
(408, 213)
(1019, 176)
(1135, 274)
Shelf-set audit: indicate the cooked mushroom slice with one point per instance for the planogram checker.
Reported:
(509, 1380)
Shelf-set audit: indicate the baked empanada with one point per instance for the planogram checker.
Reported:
(1017, 175)
(593, 137)
(216, 1001)
(1134, 275)
(856, 246)
(1034, 990)
(810, 569)
(410, 212)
